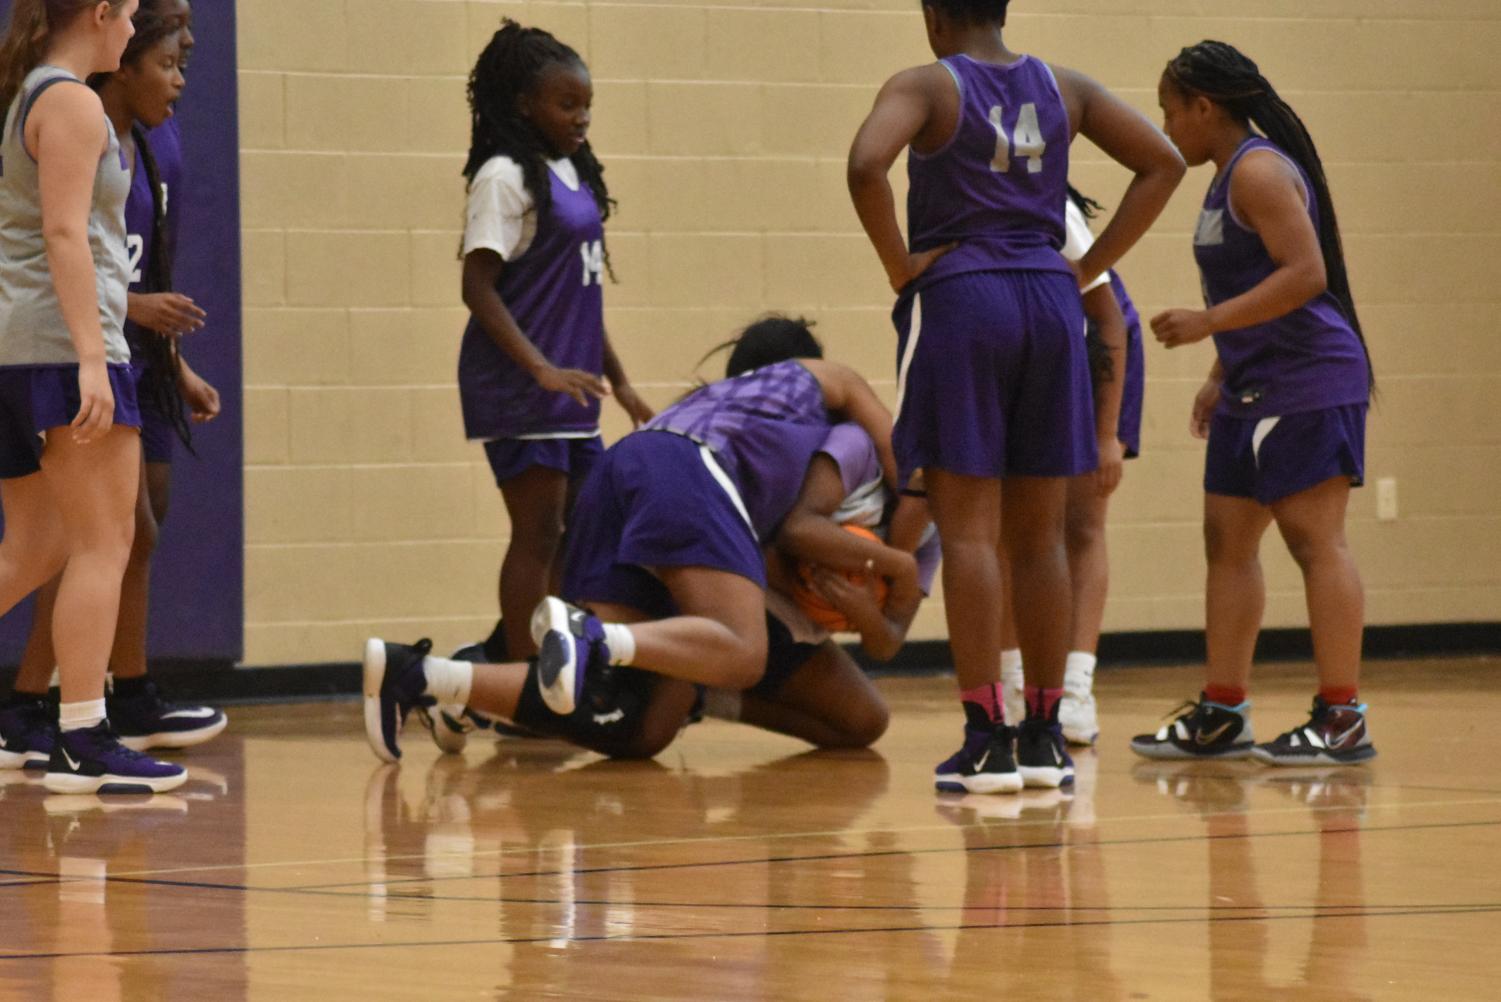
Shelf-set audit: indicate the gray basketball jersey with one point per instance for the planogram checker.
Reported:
(32, 331)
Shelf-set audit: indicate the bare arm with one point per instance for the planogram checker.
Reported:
(625, 394)
(69, 133)
(845, 392)
(1101, 306)
(902, 112)
(1132, 141)
(482, 269)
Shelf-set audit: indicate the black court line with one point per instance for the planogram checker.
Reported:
(360, 889)
(878, 853)
(745, 934)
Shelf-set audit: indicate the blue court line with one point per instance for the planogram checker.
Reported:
(757, 933)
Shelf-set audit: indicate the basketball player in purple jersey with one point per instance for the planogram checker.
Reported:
(1284, 408)
(138, 97)
(535, 355)
(1117, 375)
(993, 386)
(665, 562)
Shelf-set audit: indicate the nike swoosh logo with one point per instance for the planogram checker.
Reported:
(2, 742)
(1344, 735)
(609, 718)
(72, 763)
(980, 763)
(201, 713)
(1210, 737)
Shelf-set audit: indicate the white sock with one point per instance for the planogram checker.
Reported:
(448, 681)
(1011, 661)
(1081, 662)
(722, 704)
(80, 716)
(622, 643)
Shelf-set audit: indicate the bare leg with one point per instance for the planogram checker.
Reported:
(535, 502)
(33, 548)
(1235, 596)
(1033, 534)
(967, 511)
(1088, 561)
(1312, 522)
(39, 660)
(127, 657)
(828, 702)
(95, 487)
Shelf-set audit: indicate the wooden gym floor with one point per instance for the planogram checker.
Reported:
(294, 866)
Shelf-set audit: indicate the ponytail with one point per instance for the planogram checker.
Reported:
(22, 49)
(1224, 75)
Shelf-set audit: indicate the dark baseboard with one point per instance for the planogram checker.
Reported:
(222, 682)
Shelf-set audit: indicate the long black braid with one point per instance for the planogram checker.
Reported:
(1224, 75)
(160, 385)
(1101, 365)
(508, 69)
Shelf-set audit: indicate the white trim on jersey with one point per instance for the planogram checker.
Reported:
(914, 331)
(717, 472)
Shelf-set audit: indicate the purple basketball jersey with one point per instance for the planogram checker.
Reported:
(554, 290)
(997, 187)
(1134, 388)
(1305, 360)
(140, 213)
(764, 427)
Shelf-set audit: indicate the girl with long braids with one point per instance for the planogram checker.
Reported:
(993, 385)
(69, 423)
(1283, 409)
(535, 356)
(137, 98)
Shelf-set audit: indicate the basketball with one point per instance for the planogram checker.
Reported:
(817, 608)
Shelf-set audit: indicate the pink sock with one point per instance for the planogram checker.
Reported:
(988, 698)
(1042, 702)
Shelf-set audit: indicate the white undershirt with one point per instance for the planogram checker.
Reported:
(500, 214)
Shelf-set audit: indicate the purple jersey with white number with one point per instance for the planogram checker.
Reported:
(140, 211)
(997, 187)
(1305, 360)
(553, 289)
(851, 449)
(763, 427)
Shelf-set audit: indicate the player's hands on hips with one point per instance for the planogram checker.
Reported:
(639, 410)
(917, 264)
(1205, 401)
(1112, 464)
(169, 313)
(1175, 328)
(96, 403)
(577, 383)
(200, 396)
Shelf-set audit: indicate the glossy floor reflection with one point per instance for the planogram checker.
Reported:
(735, 867)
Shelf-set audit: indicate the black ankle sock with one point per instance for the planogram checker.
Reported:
(128, 687)
(496, 651)
(19, 698)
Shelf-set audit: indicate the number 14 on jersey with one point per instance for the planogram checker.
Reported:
(1024, 142)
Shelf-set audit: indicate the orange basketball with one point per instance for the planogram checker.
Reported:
(816, 608)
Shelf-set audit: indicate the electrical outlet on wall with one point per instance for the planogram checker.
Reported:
(1386, 499)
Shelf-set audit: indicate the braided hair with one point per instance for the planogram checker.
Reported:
(972, 11)
(1221, 73)
(160, 385)
(1101, 365)
(508, 69)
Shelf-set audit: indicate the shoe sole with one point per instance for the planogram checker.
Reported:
(175, 739)
(22, 760)
(985, 782)
(1078, 740)
(557, 656)
(67, 782)
(1322, 758)
(1172, 753)
(1045, 777)
(374, 675)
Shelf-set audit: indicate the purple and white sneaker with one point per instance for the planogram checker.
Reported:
(394, 684)
(568, 640)
(93, 760)
(26, 734)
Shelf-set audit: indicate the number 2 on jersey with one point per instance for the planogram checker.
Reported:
(135, 245)
(1026, 137)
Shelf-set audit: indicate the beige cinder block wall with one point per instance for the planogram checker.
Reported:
(723, 127)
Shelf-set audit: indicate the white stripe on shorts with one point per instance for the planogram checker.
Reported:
(914, 332)
(1263, 429)
(717, 472)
